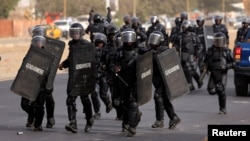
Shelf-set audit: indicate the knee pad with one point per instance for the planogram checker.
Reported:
(220, 88)
(133, 105)
(212, 91)
(70, 101)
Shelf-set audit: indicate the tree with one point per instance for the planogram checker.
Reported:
(6, 6)
(73, 7)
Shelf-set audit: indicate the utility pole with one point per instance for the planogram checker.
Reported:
(134, 8)
(65, 9)
(223, 10)
(188, 7)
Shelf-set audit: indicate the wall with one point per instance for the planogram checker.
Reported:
(16, 28)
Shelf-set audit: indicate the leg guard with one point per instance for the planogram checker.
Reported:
(96, 102)
(159, 107)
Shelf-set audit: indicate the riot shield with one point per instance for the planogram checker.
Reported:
(82, 70)
(56, 48)
(144, 78)
(34, 69)
(172, 72)
(209, 35)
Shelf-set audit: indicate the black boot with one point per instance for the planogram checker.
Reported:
(131, 131)
(30, 121)
(173, 122)
(222, 104)
(50, 123)
(89, 124)
(72, 126)
(159, 109)
(158, 124)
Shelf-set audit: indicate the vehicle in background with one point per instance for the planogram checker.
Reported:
(242, 68)
(64, 25)
(53, 32)
(83, 20)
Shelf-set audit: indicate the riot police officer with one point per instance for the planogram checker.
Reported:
(183, 16)
(242, 31)
(98, 25)
(218, 61)
(127, 22)
(188, 46)
(219, 27)
(175, 30)
(156, 25)
(100, 41)
(35, 110)
(162, 101)
(76, 33)
(199, 30)
(124, 66)
(112, 45)
(38, 31)
(139, 30)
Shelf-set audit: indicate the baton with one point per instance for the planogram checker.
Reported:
(117, 75)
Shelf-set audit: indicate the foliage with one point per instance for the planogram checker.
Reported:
(73, 7)
(6, 6)
(144, 8)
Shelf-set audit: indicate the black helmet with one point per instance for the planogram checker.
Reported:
(135, 21)
(219, 39)
(97, 18)
(245, 21)
(156, 38)
(154, 19)
(184, 16)
(38, 41)
(100, 37)
(177, 21)
(200, 21)
(128, 35)
(76, 31)
(112, 30)
(186, 26)
(39, 30)
(217, 19)
(127, 19)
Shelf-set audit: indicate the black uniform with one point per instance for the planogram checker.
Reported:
(98, 25)
(35, 110)
(217, 61)
(162, 101)
(46, 90)
(76, 33)
(157, 26)
(112, 82)
(140, 32)
(124, 65)
(102, 88)
(242, 32)
(199, 30)
(188, 46)
(219, 27)
(175, 30)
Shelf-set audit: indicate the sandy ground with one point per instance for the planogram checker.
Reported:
(13, 50)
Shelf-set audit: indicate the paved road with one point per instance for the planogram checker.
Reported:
(197, 110)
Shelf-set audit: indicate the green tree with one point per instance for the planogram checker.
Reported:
(6, 6)
(73, 7)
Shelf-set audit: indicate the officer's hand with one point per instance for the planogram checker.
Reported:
(108, 8)
(223, 67)
(60, 67)
(91, 11)
(117, 68)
